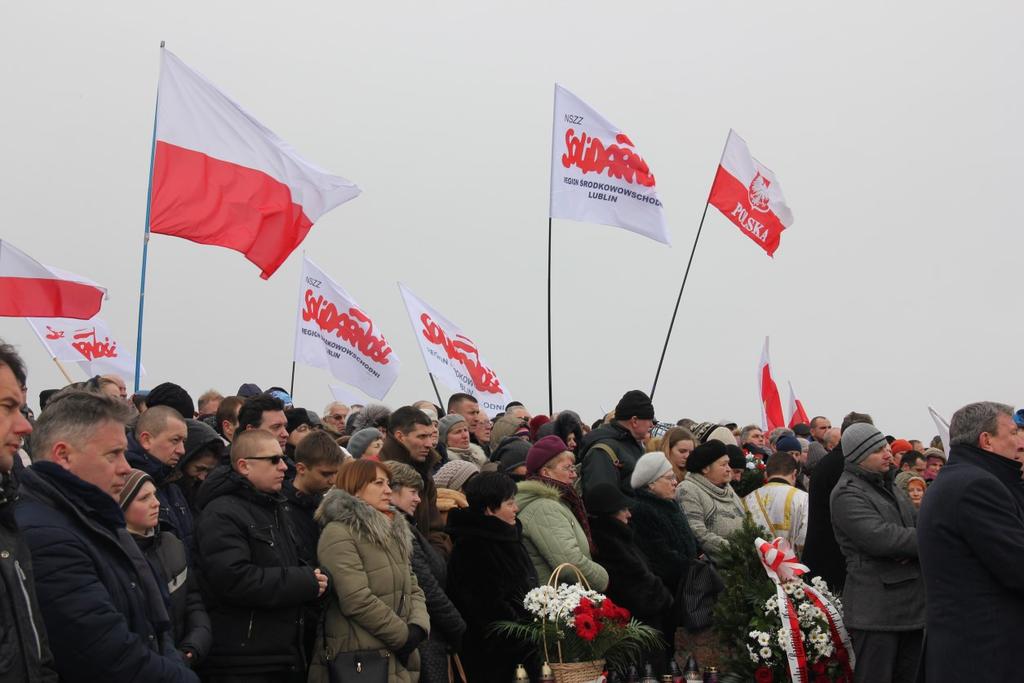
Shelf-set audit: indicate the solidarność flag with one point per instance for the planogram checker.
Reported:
(771, 404)
(597, 176)
(747, 193)
(221, 178)
(28, 289)
(452, 356)
(333, 333)
(797, 414)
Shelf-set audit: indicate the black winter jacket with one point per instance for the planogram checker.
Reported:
(175, 513)
(446, 624)
(251, 576)
(598, 466)
(489, 574)
(24, 651)
(821, 550)
(99, 597)
(190, 622)
(631, 582)
(664, 536)
(970, 534)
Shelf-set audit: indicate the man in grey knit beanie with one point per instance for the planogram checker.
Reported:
(875, 525)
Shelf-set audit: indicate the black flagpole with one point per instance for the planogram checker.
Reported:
(551, 402)
(440, 403)
(680, 297)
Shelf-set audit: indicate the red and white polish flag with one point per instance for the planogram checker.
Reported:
(333, 333)
(748, 194)
(597, 175)
(771, 404)
(221, 178)
(797, 414)
(30, 289)
(453, 357)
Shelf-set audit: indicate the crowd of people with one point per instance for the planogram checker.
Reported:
(155, 538)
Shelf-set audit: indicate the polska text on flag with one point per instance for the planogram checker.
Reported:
(747, 193)
(453, 357)
(221, 178)
(597, 176)
(333, 333)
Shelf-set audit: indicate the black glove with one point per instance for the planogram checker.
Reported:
(416, 636)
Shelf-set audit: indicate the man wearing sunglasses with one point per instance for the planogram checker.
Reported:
(253, 580)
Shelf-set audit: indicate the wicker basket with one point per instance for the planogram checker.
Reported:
(577, 672)
(572, 672)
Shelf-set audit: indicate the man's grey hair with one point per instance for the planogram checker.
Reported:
(327, 410)
(971, 421)
(73, 415)
(745, 432)
(778, 433)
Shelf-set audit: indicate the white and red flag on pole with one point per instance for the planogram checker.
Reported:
(771, 404)
(797, 414)
(30, 289)
(89, 343)
(333, 333)
(597, 175)
(747, 193)
(221, 178)
(453, 357)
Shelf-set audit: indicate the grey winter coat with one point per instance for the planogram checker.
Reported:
(713, 512)
(875, 526)
(376, 597)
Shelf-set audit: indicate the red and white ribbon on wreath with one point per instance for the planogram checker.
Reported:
(781, 565)
(840, 637)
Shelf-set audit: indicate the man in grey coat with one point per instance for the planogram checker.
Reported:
(884, 597)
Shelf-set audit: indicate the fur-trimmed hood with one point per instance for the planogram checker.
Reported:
(368, 524)
(531, 490)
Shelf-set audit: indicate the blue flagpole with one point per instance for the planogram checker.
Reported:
(145, 246)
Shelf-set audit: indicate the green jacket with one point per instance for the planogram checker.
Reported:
(552, 535)
(375, 594)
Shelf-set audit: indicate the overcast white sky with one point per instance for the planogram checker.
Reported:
(894, 129)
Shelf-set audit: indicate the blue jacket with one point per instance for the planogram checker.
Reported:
(98, 595)
(175, 513)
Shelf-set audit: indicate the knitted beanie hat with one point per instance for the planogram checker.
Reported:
(136, 478)
(861, 440)
(454, 474)
(648, 468)
(445, 424)
(361, 440)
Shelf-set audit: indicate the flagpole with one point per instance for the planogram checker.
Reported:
(551, 402)
(291, 387)
(686, 274)
(440, 403)
(52, 357)
(63, 371)
(145, 243)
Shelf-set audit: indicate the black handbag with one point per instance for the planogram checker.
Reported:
(361, 666)
(696, 595)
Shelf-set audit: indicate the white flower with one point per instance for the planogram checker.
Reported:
(765, 653)
(763, 638)
(753, 655)
(798, 593)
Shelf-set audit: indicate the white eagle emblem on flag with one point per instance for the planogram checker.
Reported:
(758, 193)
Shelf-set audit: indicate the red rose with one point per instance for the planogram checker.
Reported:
(586, 626)
(763, 675)
(610, 611)
(622, 615)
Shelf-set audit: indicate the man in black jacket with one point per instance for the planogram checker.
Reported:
(623, 437)
(101, 603)
(253, 581)
(155, 447)
(25, 653)
(971, 541)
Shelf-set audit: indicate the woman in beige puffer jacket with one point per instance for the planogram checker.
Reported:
(376, 603)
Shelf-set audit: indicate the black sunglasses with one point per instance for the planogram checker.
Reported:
(274, 459)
